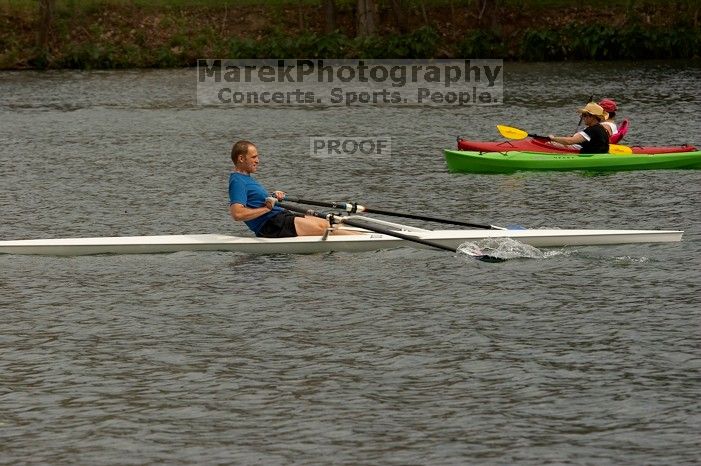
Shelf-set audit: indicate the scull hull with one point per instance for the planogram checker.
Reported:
(316, 244)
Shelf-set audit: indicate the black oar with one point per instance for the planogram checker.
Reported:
(354, 207)
(335, 218)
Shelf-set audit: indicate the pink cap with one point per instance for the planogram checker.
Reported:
(608, 105)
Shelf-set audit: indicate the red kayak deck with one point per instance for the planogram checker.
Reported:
(534, 145)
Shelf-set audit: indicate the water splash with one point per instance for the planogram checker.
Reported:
(631, 260)
(504, 248)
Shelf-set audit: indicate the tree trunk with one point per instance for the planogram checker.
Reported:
(330, 15)
(399, 8)
(46, 21)
(367, 18)
(488, 13)
(423, 12)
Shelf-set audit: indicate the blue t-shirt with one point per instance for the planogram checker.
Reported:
(245, 190)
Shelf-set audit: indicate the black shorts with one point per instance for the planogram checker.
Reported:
(280, 226)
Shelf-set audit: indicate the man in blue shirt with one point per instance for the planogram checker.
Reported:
(248, 201)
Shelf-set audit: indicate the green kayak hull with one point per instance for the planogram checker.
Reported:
(509, 162)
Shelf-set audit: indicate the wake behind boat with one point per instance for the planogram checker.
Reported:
(363, 241)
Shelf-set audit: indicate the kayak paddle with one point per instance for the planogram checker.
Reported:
(354, 207)
(581, 117)
(336, 218)
(510, 132)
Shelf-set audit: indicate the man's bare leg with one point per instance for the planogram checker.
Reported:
(315, 226)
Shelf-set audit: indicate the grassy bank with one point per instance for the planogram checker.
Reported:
(174, 33)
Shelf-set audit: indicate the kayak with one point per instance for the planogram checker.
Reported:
(512, 161)
(535, 145)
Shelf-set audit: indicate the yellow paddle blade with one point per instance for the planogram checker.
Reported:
(512, 133)
(617, 149)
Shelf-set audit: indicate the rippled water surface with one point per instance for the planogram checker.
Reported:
(584, 355)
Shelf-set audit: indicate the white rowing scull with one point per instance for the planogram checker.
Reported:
(363, 241)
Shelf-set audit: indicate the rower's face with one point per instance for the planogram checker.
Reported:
(250, 161)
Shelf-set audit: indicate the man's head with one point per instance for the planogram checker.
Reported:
(593, 110)
(245, 156)
(240, 149)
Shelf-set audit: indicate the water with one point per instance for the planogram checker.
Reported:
(584, 355)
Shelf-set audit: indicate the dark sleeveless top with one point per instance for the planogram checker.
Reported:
(598, 140)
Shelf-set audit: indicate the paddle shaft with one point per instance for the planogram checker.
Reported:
(352, 207)
(332, 218)
(591, 98)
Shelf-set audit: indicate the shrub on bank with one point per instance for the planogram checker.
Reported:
(125, 37)
(598, 42)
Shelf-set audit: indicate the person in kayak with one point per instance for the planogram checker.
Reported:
(610, 107)
(591, 140)
(251, 203)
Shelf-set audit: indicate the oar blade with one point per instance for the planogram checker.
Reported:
(489, 259)
(509, 132)
(475, 252)
(617, 149)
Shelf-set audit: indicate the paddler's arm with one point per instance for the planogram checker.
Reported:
(242, 213)
(568, 140)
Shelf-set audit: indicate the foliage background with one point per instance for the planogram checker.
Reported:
(175, 33)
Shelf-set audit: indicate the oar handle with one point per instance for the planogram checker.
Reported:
(354, 207)
(314, 213)
(350, 207)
